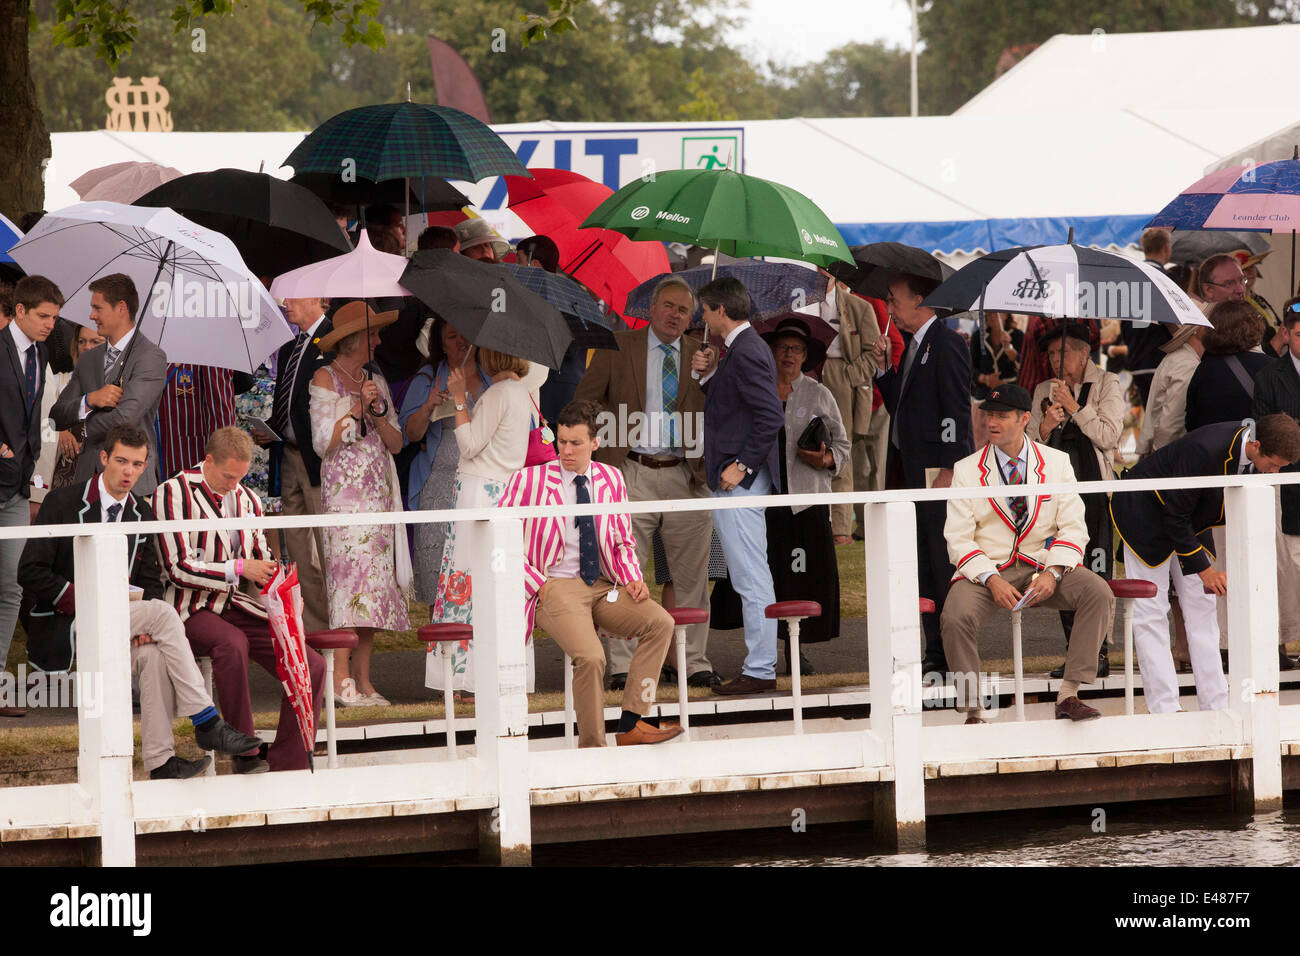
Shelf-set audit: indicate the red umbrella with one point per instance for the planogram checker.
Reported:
(283, 598)
(554, 203)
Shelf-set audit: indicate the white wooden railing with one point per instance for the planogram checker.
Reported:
(499, 776)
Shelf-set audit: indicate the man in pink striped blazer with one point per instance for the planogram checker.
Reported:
(582, 573)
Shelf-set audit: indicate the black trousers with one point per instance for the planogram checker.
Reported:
(934, 570)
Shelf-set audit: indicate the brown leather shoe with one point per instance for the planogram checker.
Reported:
(643, 733)
(975, 719)
(744, 684)
(1074, 709)
(13, 712)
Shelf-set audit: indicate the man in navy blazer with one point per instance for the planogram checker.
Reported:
(929, 402)
(22, 383)
(742, 417)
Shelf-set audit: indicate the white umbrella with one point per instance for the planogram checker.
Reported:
(198, 301)
(363, 273)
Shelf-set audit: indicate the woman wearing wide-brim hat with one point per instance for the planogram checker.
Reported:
(367, 568)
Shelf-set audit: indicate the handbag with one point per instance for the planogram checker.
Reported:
(541, 442)
(814, 436)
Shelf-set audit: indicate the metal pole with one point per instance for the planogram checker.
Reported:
(915, 35)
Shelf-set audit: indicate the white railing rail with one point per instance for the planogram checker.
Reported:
(503, 771)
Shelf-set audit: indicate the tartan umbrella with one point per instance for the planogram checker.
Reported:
(429, 194)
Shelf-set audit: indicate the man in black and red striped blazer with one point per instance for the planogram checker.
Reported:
(196, 401)
(221, 621)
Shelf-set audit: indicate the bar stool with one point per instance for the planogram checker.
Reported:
(205, 668)
(682, 618)
(447, 634)
(792, 612)
(1126, 591)
(327, 642)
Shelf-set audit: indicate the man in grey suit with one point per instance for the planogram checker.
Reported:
(117, 383)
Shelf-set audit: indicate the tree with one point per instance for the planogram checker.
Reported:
(858, 79)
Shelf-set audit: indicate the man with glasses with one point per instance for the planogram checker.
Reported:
(1221, 279)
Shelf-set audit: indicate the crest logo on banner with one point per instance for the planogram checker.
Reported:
(138, 109)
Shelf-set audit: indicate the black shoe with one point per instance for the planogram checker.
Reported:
(225, 739)
(668, 674)
(249, 764)
(1103, 664)
(617, 681)
(1057, 673)
(931, 665)
(178, 768)
(704, 679)
(805, 666)
(1284, 661)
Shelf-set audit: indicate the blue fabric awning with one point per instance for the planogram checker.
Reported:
(993, 234)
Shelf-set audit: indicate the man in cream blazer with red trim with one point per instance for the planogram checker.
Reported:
(581, 574)
(1003, 547)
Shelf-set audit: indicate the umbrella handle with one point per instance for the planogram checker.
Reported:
(378, 408)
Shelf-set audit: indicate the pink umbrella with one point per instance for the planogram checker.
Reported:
(363, 273)
(122, 182)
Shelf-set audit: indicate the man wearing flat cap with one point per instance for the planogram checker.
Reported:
(479, 240)
(1009, 550)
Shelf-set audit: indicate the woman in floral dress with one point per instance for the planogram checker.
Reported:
(354, 430)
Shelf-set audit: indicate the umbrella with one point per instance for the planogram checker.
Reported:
(276, 226)
(122, 182)
(430, 194)
(775, 288)
(198, 301)
(554, 202)
(9, 234)
(590, 328)
(734, 213)
(488, 305)
(1199, 244)
(283, 599)
(879, 264)
(363, 273)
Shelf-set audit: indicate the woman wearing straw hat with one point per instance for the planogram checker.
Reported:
(355, 432)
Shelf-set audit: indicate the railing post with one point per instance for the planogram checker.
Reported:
(894, 662)
(501, 671)
(1252, 634)
(104, 731)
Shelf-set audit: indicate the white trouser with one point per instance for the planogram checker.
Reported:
(1151, 637)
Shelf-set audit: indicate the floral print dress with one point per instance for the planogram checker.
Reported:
(362, 562)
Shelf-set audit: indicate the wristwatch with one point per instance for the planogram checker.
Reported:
(460, 406)
(1056, 574)
(743, 467)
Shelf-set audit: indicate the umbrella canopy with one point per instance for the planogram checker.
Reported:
(1199, 244)
(425, 194)
(9, 234)
(554, 203)
(275, 225)
(879, 264)
(1066, 281)
(737, 214)
(1263, 198)
(122, 182)
(396, 140)
(590, 327)
(775, 288)
(488, 305)
(198, 301)
(363, 273)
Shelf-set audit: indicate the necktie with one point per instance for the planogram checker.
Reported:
(31, 375)
(1019, 506)
(670, 391)
(588, 554)
(110, 357)
(902, 384)
(113, 512)
(284, 386)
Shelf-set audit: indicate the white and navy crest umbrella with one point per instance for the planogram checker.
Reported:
(199, 302)
(1066, 282)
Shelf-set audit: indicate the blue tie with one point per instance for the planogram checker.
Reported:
(588, 553)
(113, 512)
(670, 390)
(31, 375)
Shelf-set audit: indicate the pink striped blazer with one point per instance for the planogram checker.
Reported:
(544, 537)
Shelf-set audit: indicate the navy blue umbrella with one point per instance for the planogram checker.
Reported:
(775, 288)
(591, 328)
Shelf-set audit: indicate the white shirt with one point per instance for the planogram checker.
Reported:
(657, 439)
(1003, 460)
(569, 563)
(106, 500)
(1296, 362)
(120, 345)
(731, 337)
(1244, 463)
(311, 334)
(918, 338)
(22, 341)
(829, 310)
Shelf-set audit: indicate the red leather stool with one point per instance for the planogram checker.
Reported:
(327, 642)
(792, 612)
(445, 634)
(1126, 592)
(682, 618)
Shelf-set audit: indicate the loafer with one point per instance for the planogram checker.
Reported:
(704, 679)
(1057, 673)
(1285, 662)
(225, 739)
(744, 684)
(1074, 709)
(975, 719)
(13, 711)
(643, 733)
(178, 768)
(249, 765)
(617, 681)
(934, 665)
(375, 700)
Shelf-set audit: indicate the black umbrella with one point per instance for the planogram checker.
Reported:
(879, 264)
(488, 305)
(591, 328)
(276, 225)
(423, 194)
(1196, 245)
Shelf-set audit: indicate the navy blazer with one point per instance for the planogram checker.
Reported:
(20, 423)
(742, 412)
(1158, 525)
(1277, 390)
(1215, 394)
(299, 399)
(932, 407)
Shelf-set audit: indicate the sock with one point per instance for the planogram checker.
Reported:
(204, 718)
(1069, 688)
(627, 721)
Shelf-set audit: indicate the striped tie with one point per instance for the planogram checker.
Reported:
(284, 386)
(670, 391)
(1019, 506)
(110, 357)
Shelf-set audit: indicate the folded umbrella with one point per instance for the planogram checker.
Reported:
(590, 327)
(775, 288)
(488, 305)
(282, 597)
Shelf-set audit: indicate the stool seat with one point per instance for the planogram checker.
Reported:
(688, 615)
(441, 633)
(782, 609)
(926, 605)
(331, 639)
(1132, 589)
